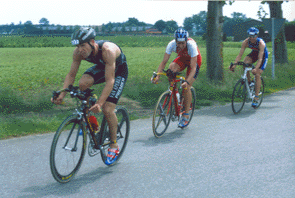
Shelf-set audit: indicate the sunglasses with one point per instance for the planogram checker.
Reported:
(252, 36)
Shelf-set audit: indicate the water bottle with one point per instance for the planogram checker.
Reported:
(251, 84)
(94, 123)
(178, 97)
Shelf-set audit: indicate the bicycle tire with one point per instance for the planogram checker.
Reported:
(123, 131)
(261, 93)
(193, 105)
(160, 114)
(64, 140)
(239, 96)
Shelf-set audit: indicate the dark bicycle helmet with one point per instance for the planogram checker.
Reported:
(83, 35)
(181, 34)
(253, 31)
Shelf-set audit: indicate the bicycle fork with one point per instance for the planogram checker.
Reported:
(76, 141)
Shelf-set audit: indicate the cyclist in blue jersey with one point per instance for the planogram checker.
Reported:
(259, 53)
(110, 66)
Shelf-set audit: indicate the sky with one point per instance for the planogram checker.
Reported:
(98, 12)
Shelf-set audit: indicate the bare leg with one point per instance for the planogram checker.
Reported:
(248, 60)
(85, 82)
(174, 67)
(187, 100)
(258, 82)
(110, 115)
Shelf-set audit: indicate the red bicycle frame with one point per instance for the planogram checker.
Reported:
(173, 90)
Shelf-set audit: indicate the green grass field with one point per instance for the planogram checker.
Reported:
(29, 75)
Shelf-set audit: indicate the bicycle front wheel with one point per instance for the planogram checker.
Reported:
(67, 149)
(239, 96)
(123, 130)
(162, 114)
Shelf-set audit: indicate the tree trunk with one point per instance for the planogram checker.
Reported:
(214, 41)
(281, 55)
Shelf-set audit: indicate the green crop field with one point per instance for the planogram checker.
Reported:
(29, 75)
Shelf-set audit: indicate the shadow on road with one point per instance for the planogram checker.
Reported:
(61, 190)
(167, 138)
(226, 111)
(269, 102)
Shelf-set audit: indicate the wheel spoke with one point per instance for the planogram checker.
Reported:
(122, 133)
(261, 92)
(67, 150)
(162, 114)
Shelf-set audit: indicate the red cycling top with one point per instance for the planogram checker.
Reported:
(185, 55)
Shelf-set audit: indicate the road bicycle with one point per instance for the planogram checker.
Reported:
(70, 140)
(170, 104)
(243, 91)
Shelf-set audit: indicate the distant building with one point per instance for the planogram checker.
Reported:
(240, 30)
(153, 31)
(135, 30)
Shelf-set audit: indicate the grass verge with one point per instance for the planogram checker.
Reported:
(29, 75)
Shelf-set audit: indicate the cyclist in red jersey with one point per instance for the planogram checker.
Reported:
(189, 57)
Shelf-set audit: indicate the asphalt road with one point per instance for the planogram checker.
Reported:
(219, 155)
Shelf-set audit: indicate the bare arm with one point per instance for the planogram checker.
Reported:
(161, 67)
(193, 65)
(244, 45)
(109, 53)
(70, 78)
(164, 62)
(260, 55)
(238, 58)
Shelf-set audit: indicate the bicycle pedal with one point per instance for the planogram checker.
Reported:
(92, 151)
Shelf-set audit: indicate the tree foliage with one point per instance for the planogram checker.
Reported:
(134, 22)
(44, 21)
(200, 21)
(171, 26)
(188, 23)
(229, 23)
(261, 13)
(160, 25)
(28, 23)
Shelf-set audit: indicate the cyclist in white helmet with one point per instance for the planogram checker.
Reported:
(188, 56)
(259, 53)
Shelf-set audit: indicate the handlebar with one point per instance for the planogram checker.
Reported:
(170, 74)
(242, 63)
(76, 93)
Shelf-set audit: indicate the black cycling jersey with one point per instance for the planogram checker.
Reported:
(97, 59)
(98, 72)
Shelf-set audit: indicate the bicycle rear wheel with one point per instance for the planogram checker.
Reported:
(162, 114)
(261, 93)
(192, 106)
(122, 134)
(67, 149)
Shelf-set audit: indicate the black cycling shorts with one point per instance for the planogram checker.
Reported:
(121, 74)
(254, 56)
